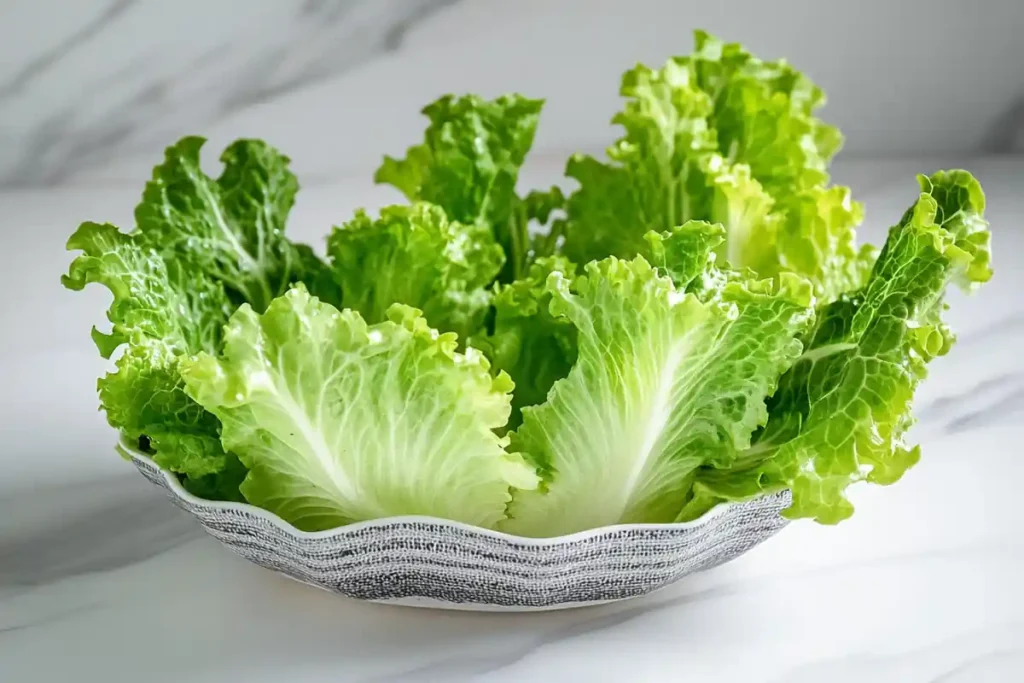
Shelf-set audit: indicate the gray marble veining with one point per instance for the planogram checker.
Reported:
(244, 67)
(92, 91)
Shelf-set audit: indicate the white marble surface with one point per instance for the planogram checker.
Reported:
(92, 90)
(101, 579)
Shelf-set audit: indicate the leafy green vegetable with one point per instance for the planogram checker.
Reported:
(694, 324)
(664, 383)
(162, 314)
(468, 164)
(198, 245)
(840, 413)
(724, 137)
(686, 254)
(532, 345)
(338, 421)
(231, 229)
(414, 255)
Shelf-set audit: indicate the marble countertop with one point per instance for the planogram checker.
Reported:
(102, 579)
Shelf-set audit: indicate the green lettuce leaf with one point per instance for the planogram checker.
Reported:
(686, 255)
(724, 137)
(535, 347)
(414, 255)
(655, 180)
(232, 228)
(763, 115)
(811, 232)
(664, 383)
(841, 412)
(338, 421)
(468, 164)
(162, 314)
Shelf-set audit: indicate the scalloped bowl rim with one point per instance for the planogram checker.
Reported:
(131, 452)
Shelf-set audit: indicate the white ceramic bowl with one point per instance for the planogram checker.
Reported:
(430, 562)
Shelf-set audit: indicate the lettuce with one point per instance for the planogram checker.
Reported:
(416, 256)
(339, 421)
(841, 412)
(468, 164)
(724, 137)
(230, 229)
(693, 324)
(528, 342)
(664, 383)
(200, 246)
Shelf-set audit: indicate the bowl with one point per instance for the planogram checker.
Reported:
(431, 562)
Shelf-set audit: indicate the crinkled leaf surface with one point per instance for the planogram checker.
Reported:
(230, 228)
(725, 137)
(468, 164)
(528, 342)
(414, 255)
(663, 384)
(339, 421)
(162, 314)
(840, 413)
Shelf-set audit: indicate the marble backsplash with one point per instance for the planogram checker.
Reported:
(91, 91)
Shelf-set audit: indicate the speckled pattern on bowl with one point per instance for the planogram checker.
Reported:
(430, 562)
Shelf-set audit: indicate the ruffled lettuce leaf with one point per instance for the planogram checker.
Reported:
(230, 228)
(199, 248)
(340, 421)
(414, 255)
(686, 255)
(664, 383)
(725, 137)
(468, 164)
(528, 342)
(840, 413)
(161, 314)
(811, 232)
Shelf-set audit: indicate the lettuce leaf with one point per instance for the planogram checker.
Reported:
(686, 255)
(664, 383)
(533, 346)
(841, 412)
(724, 137)
(338, 421)
(415, 256)
(230, 229)
(199, 248)
(468, 164)
(163, 314)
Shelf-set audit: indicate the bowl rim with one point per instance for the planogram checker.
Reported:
(131, 452)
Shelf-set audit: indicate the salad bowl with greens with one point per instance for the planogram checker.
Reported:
(491, 396)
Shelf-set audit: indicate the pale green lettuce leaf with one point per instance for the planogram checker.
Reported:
(841, 412)
(338, 421)
(230, 228)
(811, 232)
(724, 137)
(468, 164)
(414, 255)
(664, 383)
(686, 254)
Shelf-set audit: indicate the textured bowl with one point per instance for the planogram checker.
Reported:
(429, 562)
